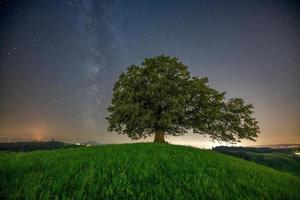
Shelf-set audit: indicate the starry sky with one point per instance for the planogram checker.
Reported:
(59, 60)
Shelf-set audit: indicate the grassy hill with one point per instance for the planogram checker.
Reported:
(139, 171)
(281, 159)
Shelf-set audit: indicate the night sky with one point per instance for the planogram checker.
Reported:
(60, 59)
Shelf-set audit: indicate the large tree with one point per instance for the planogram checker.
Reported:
(161, 97)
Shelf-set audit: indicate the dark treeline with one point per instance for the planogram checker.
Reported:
(226, 149)
(34, 145)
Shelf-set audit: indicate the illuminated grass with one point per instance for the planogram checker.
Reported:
(139, 171)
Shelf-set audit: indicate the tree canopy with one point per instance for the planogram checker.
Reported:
(161, 97)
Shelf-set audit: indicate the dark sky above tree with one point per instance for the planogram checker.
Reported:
(59, 60)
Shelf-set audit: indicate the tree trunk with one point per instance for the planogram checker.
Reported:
(159, 137)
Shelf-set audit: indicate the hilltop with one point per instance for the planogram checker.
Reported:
(139, 171)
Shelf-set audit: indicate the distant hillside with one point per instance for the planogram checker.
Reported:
(279, 146)
(33, 145)
(139, 171)
(283, 159)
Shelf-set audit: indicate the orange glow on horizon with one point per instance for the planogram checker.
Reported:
(38, 137)
(38, 133)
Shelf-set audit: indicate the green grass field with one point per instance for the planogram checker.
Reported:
(280, 161)
(283, 161)
(139, 171)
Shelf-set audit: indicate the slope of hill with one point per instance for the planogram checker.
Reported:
(281, 159)
(139, 171)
